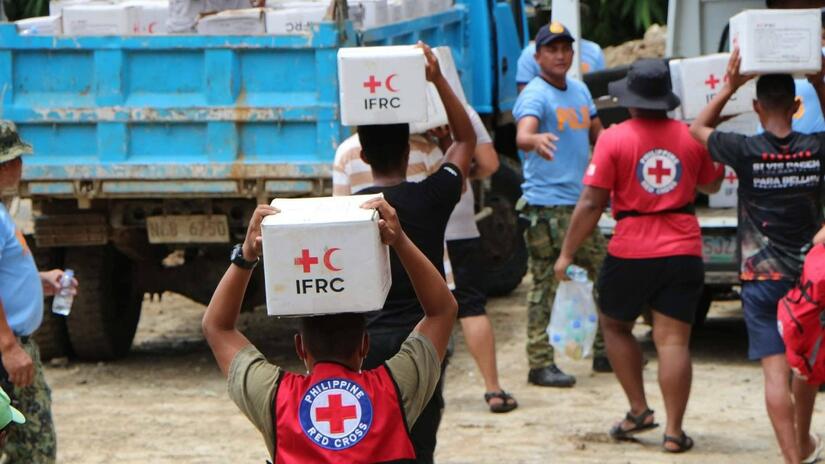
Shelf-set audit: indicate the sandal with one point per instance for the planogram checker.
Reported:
(683, 443)
(639, 425)
(508, 403)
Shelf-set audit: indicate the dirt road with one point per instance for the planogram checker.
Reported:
(166, 403)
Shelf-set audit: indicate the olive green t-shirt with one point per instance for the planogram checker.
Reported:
(252, 382)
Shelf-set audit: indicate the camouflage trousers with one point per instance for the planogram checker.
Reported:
(35, 441)
(544, 237)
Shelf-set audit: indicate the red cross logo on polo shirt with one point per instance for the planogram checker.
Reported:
(335, 413)
(372, 84)
(659, 171)
(712, 81)
(306, 260)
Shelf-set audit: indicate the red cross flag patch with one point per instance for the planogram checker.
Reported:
(659, 171)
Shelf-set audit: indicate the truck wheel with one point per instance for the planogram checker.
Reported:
(51, 337)
(106, 310)
(703, 307)
(504, 253)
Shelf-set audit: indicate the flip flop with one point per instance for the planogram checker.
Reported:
(814, 456)
(683, 443)
(508, 403)
(639, 425)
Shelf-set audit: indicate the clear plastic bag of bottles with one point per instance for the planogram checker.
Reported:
(574, 320)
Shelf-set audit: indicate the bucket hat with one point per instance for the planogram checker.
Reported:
(646, 86)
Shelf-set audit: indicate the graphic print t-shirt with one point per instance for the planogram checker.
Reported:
(780, 210)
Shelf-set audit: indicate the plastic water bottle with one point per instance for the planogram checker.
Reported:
(576, 273)
(62, 303)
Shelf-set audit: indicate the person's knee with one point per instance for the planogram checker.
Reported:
(614, 327)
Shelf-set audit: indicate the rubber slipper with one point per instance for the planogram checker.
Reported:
(639, 425)
(683, 443)
(508, 403)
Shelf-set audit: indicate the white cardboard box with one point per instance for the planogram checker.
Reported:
(152, 16)
(726, 196)
(324, 256)
(676, 84)
(382, 85)
(99, 19)
(376, 12)
(778, 41)
(294, 21)
(56, 6)
(248, 21)
(701, 78)
(436, 112)
(44, 25)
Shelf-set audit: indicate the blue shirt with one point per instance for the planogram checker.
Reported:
(20, 289)
(567, 114)
(592, 59)
(809, 117)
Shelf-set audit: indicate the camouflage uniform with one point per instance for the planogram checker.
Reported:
(35, 441)
(544, 237)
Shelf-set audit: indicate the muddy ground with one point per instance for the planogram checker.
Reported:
(166, 402)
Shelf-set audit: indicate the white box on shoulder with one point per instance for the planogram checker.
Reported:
(726, 197)
(248, 21)
(44, 25)
(382, 85)
(702, 78)
(436, 112)
(778, 41)
(98, 19)
(324, 256)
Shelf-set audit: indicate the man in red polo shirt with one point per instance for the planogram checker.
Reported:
(650, 167)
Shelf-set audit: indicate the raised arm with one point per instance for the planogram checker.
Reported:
(219, 321)
(706, 122)
(439, 305)
(461, 151)
(818, 81)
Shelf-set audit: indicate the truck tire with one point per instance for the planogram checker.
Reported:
(504, 254)
(52, 336)
(106, 310)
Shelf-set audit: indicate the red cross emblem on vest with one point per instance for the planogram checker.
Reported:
(335, 413)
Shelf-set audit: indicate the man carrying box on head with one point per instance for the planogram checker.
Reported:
(650, 167)
(423, 209)
(337, 412)
(557, 122)
(780, 182)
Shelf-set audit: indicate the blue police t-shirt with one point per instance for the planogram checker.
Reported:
(592, 59)
(809, 117)
(21, 292)
(567, 114)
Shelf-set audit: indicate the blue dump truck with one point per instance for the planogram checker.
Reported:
(151, 152)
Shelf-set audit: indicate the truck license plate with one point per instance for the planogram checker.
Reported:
(188, 229)
(719, 249)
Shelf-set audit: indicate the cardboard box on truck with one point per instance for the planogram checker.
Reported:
(248, 21)
(99, 19)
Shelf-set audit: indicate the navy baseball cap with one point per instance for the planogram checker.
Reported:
(552, 32)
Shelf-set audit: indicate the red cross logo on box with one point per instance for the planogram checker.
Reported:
(712, 81)
(373, 84)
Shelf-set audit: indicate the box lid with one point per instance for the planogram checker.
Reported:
(380, 52)
(324, 210)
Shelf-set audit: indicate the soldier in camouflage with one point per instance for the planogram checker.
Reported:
(22, 289)
(557, 122)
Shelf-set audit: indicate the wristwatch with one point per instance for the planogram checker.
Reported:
(237, 258)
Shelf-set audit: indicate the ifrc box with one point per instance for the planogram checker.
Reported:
(152, 16)
(45, 25)
(99, 19)
(382, 85)
(233, 22)
(702, 78)
(436, 112)
(778, 41)
(294, 21)
(324, 256)
(727, 194)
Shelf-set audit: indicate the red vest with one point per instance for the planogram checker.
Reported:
(336, 415)
(800, 315)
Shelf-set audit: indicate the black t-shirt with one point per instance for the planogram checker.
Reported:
(780, 211)
(423, 209)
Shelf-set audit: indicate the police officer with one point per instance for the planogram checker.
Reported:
(337, 412)
(557, 122)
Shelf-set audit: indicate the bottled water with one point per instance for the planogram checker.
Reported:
(62, 303)
(576, 273)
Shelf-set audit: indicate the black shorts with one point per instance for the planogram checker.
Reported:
(671, 286)
(469, 286)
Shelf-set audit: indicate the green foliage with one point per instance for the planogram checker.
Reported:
(611, 22)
